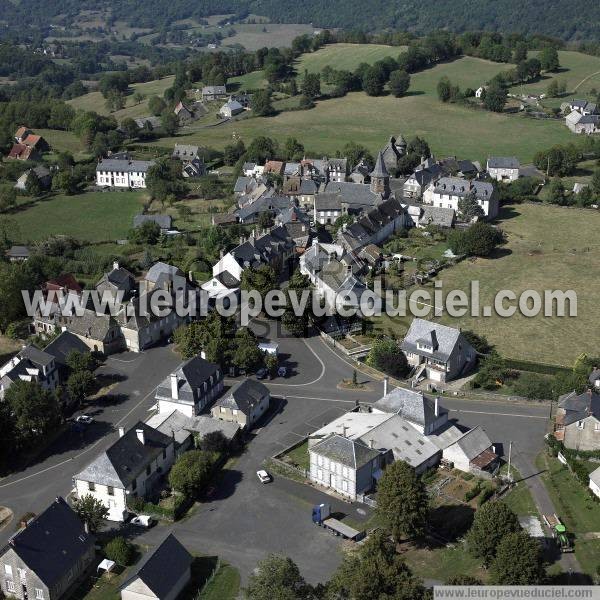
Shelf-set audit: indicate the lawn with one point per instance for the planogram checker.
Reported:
(92, 217)
(225, 585)
(298, 456)
(270, 35)
(442, 563)
(95, 101)
(548, 248)
(62, 141)
(519, 498)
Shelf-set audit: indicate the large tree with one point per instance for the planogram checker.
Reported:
(375, 570)
(91, 511)
(402, 501)
(518, 561)
(277, 578)
(385, 355)
(399, 83)
(492, 522)
(262, 279)
(478, 240)
(163, 180)
(548, 58)
(495, 98)
(191, 472)
(261, 103)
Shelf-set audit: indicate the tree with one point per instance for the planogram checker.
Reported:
(478, 240)
(129, 126)
(520, 52)
(215, 442)
(8, 198)
(277, 577)
(311, 85)
(385, 354)
(91, 511)
(548, 58)
(262, 278)
(138, 97)
(293, 149)
(372, 81)
(191, 472)
(469, 208)
(120, 550)
(492, 522)
(148, 233)
(81, 361)
(156, 105)
(265, 220)
(33, 187)
(375, 570)
(402, 502)
(261, 103)
(163, 180)
(556, 192)
(399, 83)
(65, 182)
(518, 561)
(169, 122)
(495, 98)
(342, 221)
(463, 580)
(261, 148)
(79, 385)
(247, 354)
(595, 182)
(444, 89)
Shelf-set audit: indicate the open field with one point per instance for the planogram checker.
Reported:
(548, 248)
(358, 117)
(94, 100)
(93, 217)
(442, 563)
(62, 141)
(270, 35)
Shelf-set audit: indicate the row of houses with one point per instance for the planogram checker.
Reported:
(582, 117)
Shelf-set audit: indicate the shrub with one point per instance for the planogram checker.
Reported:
(487, 493)
(473, 492)
(120, 550)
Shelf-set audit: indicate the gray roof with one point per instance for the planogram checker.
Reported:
(91, 325)
(214, 89)
(249, 166)
(456, 186)
(232, 105)
(413, 406)
(443, 339)
(579, 406)
(36, 356)
(437, 215)
(328, 201)
(175, 425)
(163, 221)
(18, 252)
(185, 151)
(474, 442)
(162, 568)
(242, 184)
(203, 425)
(503, 162)
(355, 195)
(124, 460)
(157, 270)
(351, 453)
(61, 346)
(124, 165)
(53, 543)
(243, 396)
(380, 169)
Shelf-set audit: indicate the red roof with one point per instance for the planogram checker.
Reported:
(20, 151)
(66, 281)
(32, 140)
(274, 166)
(21, 132)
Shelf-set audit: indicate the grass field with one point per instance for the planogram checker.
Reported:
(93, 217)
(548, 248)
(270, 35)
(442, 563)
(94, 100)
(225, 585)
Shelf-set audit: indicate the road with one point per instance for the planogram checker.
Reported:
(245, 520)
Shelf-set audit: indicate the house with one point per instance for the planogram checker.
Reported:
(149, 123)
(447, 192)
(327, 208)
(190, 388)
(580, 123)
(582, 106)
(185, 152)
(133, 466)
(60, 348)
(360, 173)
(28, 146)
(274, 167)
(163, 221)
(29, 364)
(245, 403)
(230, 109)
(251, 169)
(47, 558)
(594, 484)
(393, 151)
(193, 168)
(473, 453)
(42, 174)
(577, 421)
(213, 92)
(428, 172)
(437, 352)
(244, 185)
(162, 574)
(18, 253)
(271, 203)
(122, 172)
(117, 281)
(503, 168)
(437, 216)
(184, 113)
(21, 134)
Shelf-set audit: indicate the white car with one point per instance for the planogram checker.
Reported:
(143, 521)
(263, 476)
(84, 419)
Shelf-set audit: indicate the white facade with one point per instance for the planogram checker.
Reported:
(447, 198)
(122, 173)
(228, 263)
(334, 475)
(503, 174)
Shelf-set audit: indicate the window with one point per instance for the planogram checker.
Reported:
(8, 570)
(22, 574)
(91, 486)
(39, 594)
(222, 409)
(10, 586)
(596, 426)
(580, 425)
(235, 411)
(111, 490)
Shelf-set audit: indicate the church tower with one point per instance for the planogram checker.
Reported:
(380, 178)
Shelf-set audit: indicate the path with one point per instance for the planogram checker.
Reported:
(585, 79)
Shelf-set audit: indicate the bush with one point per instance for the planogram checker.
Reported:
(487, 493)
(473, 492)
(121, 551)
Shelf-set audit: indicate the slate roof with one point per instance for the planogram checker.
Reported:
(36, 356)
(214, 89)
(456, 186)
(185, 151)
(503, 162)
(380, 169)
(163, 221)
(90, 325)
(162, 568)
(159, 269)
(262, 204)
(243, 396)
(437, 215)
(444, 339)
(579, 406)
(351, 453)
(175, 425)
(355, 195)
(124, 165)
(594, 376)
(18, 252)
(474, 442)
(328, 201)
(203, 424)
(124, 460)
(413, 406)
(53, 542)
(65, 343)
(243, 184)
(233, 106)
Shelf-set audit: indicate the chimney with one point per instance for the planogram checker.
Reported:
(174, 387)
(115, 265)
(437, 407)
(385, 385)
(344, 428)
(140, 435)
(371, 443)
(121, 431)
(222, 253)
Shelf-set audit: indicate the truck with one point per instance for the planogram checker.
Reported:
(321, 516)
(559, 533)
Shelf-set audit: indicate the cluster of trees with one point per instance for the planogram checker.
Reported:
(192, 471)
(479, 239)
(588, 196)
(386, 356)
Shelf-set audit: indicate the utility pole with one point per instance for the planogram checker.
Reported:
(509, 458)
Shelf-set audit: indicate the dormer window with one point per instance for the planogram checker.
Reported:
(424, 347)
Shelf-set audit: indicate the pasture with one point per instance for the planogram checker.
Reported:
(91, 217)
(548, 248)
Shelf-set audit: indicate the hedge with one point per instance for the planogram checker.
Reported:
(181, 505)
(534, 367)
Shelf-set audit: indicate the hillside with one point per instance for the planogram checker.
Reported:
(575, 20)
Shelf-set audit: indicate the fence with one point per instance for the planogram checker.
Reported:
(210, 577)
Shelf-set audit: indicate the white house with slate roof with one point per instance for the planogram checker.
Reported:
(437, 352)
(161, 575)
(473, 452)
(122, 172)
(190, 388)
(47, 558)
(503, 168)
(132, 466)
(446, 192)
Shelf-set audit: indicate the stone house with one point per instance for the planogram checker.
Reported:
(503, 168)
(577, 421)
(245, 403)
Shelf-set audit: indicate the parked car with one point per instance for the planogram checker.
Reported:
(84, 419)
(263, 476)
(143, 521)
(282, 371)
(261, 374)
